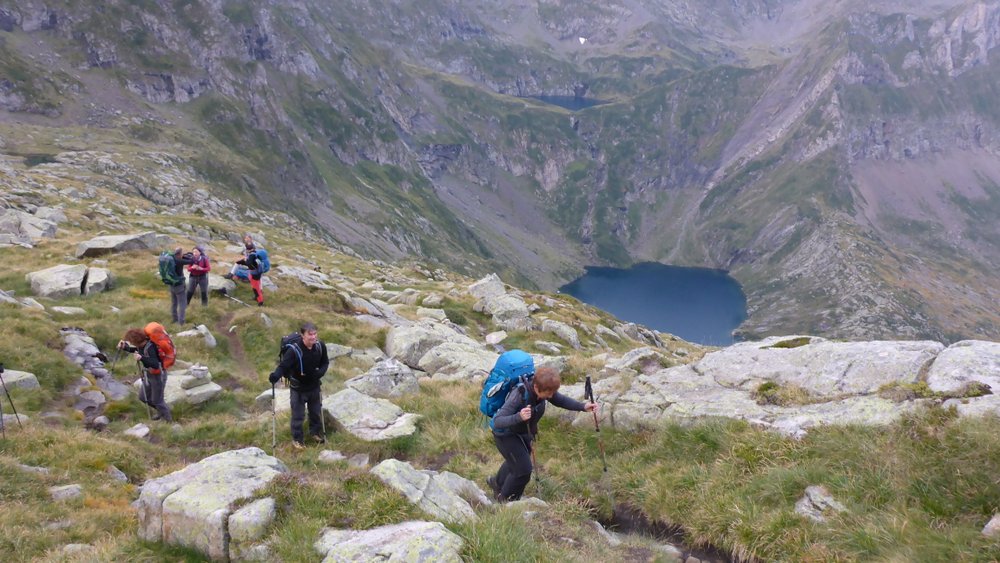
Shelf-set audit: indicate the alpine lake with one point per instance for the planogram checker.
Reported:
(700, 305)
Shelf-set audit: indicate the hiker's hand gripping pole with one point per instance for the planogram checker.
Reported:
(588, 394)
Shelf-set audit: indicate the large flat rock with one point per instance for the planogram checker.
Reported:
(824, 368)
(109, 244)
(965, 362)
(443, 494)
(369, 418)
(192, 507)
(409, 542)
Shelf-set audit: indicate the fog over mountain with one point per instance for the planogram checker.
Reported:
(840, 158)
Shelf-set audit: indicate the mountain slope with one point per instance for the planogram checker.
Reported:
(839, 159)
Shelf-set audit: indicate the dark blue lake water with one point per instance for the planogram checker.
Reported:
(697, 304)
(571, 103)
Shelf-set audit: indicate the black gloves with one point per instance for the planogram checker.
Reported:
(274, 378)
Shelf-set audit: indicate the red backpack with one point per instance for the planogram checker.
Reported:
(164, 346)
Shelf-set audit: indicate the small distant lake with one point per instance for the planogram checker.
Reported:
(571, 103)
(700, 305)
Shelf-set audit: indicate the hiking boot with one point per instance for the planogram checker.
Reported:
(298, 445)
(155, 416)
(319, 439)
(228, 276)
(494, 486)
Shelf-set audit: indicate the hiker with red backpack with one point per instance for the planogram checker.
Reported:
(303, 363)
(155, 352)
(515, 422)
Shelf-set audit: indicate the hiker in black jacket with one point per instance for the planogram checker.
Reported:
(304, 365)
(178, 296)
(515, 426)
(136, 341)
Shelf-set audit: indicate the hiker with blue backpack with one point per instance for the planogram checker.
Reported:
(303, 363)
(514, 422)
(252, 267)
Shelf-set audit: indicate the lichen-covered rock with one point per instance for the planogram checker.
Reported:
(490, 286)
(387, 379)
(22, 379)
(410, 542)
(824, 368)
(247, 526)
(409, 343)
(817, 503)
(192, 507)
(443, 495)
(369, 418)
(563, 331)
(458, 361)
(965, 362)
(59, 281)
(108, 244)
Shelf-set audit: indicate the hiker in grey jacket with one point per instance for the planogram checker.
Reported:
(515, 426)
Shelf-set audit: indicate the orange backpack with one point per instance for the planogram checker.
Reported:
(164, 346)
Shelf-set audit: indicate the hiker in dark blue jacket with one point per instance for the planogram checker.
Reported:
(304, 365)
(515, 426)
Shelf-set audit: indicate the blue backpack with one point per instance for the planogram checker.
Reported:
(264, 260)
(511, 368)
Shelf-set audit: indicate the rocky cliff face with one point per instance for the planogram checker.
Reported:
(841, 160)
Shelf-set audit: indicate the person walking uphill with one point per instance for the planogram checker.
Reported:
(154, 381)
(515, 426)
(304, 362)
(198, 275)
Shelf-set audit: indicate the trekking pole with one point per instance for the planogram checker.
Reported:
(588, 394)
(114, 360)
(235, 299)
(9, 400)
(145, 388)
(274, 432)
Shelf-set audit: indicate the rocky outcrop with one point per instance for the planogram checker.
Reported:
(65, 280)
(20, 379)
(387, 379)
(193, 507)
(369, 418)
(309, 278)
(416, 542)
(24, 229)
(113, 244)
(562, 330)
(964, 363)
(444, 495)
(817, 504)
(192, 385)
(833, 382)
(202, 331)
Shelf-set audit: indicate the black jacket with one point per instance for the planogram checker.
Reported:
(314, 365)
(179, 263)
(150, 355)
(507, 419)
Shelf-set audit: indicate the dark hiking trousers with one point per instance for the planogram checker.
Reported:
(154, 397)
(299, 401)
(194, 282)
(178, 303)
(515, 473)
